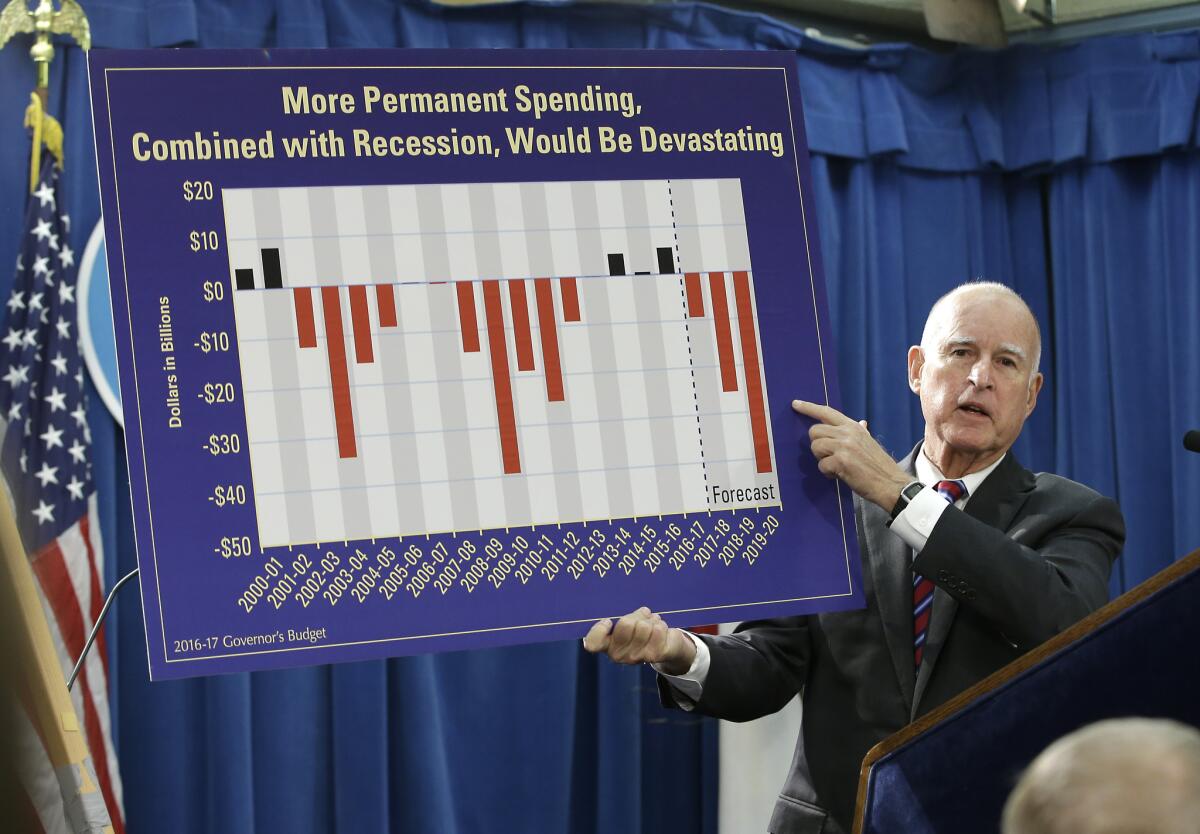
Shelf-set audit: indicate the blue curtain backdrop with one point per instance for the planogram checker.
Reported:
(1071, 174)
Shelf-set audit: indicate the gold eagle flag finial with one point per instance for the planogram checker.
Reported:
(43, 22)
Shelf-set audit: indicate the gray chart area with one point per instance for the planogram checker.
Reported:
(438, 358)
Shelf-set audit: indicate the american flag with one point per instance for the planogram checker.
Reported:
(45, 455)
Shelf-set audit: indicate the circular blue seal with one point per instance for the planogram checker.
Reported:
(96, 337)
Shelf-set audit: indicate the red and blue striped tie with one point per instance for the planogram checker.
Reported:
(952, 491)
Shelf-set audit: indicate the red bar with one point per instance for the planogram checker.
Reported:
(520, 314)
(501, 381)
(695, 296)
(466, 316)
(387, 305)
(335, 345)
(360, 317)
(570, 294)
(720, 308)
(548, 329)
(754, 393)
(305, 324)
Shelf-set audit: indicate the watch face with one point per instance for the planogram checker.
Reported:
(907, 494)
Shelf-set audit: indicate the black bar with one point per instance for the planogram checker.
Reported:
(642, 272)
(666, 264)
(245, 278)
(616, 264)
(272, 275)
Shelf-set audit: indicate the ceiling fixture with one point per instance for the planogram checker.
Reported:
(979, 22)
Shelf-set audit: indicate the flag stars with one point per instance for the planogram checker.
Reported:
(35, 301)
(59, 362)
(42, 230)
(14, 411)
(66, 221)
(64, 328)
(24, 461)
(77, 451)
(30, 338)
(57, 400)
(66, 256)
(16, 301)
(75, 487)
(44, 512)
(47, 475)
(53, 242)
(66, 294)
(80, 416)
(45, 195)
(41, 265)
(16, 375)
(53, 437)
(14, 338)
(79, 377)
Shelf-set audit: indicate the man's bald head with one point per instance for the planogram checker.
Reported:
(1122, 776)
(986, 291)
(976, 374)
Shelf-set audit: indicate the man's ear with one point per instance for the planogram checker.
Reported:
(1035, 386)
(916, 361)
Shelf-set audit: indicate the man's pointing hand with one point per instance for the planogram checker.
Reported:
(845, 450)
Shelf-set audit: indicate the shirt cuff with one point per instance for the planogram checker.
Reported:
(916, 522)
(691, 683)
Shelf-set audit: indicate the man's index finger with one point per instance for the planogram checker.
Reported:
(823, 413)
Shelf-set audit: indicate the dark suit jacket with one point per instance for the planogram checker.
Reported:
(1028, 556)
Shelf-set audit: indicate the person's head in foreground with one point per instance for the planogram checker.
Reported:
(1122, 776)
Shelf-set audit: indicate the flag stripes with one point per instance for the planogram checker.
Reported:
(69, 590)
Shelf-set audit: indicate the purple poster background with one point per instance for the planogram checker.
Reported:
(216, 601)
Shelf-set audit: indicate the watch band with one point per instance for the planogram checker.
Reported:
(907, 493)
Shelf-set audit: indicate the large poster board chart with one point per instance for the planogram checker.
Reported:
(423, 351)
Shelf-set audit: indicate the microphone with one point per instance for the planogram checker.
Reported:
(1191, 441)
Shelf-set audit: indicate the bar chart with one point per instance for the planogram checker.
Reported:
(421, 359)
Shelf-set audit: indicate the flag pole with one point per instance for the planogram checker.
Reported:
(42, 23)
(49, 701)
(53, 724)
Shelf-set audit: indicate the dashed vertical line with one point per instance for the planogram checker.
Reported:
(687, 329)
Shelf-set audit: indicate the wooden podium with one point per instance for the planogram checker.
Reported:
(952, 770)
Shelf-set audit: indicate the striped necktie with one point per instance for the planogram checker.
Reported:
(952, 491)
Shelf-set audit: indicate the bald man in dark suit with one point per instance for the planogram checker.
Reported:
(969, 561)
